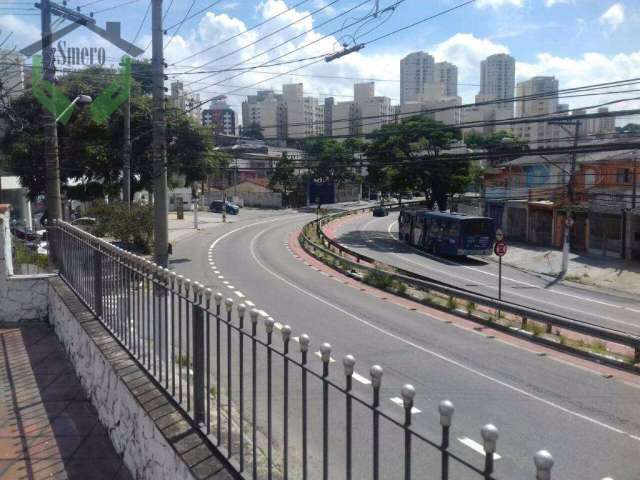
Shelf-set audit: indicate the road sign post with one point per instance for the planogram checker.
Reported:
(500, 249)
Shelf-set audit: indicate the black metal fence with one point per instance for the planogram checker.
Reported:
(254, 387)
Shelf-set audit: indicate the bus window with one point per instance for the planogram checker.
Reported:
(454, 229)
(477, 227)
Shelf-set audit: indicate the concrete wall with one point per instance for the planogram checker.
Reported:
(22, 297)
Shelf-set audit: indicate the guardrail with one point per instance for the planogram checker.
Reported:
(420, 281)
(272, 411)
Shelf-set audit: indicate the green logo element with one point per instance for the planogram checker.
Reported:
(56, 102)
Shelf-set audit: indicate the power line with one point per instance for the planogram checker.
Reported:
(187, 18)
(179, 25)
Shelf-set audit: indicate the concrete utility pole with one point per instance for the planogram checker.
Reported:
(161, 211)
(126, 153)
(571, 194)
(52, 162)
(634, 179)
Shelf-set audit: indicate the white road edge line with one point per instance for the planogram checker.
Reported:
(359, 378)
(476, 447)
(440, 356)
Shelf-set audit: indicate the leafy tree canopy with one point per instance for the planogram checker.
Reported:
(284, 176)
(501, 146)
(254, 130)
(91, 154)
(332, 160)
(408, 156)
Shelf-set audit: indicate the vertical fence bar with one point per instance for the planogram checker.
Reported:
(286, 336)
(241, 309)
(187, 333)
(325, 352)
(490, 436)
(254, 410)
(304, 350)
(229, 305)
(349, 362)
(268, 325)
(446, 409)
(166, 277)
(198, 356)
(218, 298)
(376, 380)
(173, 277)
(408, 394)
(208, 295)
(179, 359)
(97, 283)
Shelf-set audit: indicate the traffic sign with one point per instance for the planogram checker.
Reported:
(500, 249)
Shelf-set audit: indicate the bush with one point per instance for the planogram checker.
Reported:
(452, 303)
(378, 279)
(398, 287)
(471, 307)
(132, 225)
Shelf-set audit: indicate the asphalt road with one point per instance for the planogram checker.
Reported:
(377, 237)
(591, 424)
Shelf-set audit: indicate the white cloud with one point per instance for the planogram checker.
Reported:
(551, 3)
(23, 33)
(499, 3)
(590, 68)
(614, 16)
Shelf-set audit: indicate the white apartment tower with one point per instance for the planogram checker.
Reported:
(416, 70)
(497, 80)
(446, 74)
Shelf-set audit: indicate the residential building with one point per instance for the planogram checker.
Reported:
(361, 116)
(263, 109)
(12, 74)
(446, 73)
(497, 80)
(416, 70)
(596, 126)
(446, 110)
(329, 103)
(537, 97)
(345, 119)
(185, 101)
(221, 117)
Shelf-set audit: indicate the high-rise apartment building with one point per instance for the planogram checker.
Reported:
(263, 109)
(12, 74)
(416, 70)
(185, 101)
(365, 114)
(221, 117)
(497, 80)
(446, 74)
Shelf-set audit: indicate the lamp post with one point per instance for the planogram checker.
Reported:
(80, 99)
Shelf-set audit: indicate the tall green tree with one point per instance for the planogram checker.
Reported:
(330, 160)
(501, 146)
(284, 177)
(91, 153)
(409, 156)
(254, 130)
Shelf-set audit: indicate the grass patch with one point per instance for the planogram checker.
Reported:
(213, 391)
(535, 328)
(470, 307)
(183, 361)
(452, 303)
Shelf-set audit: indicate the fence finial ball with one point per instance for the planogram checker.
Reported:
(490, 436)
(286, 333)
(229, 304)
(376, 375)
(304, 342)
(408, 394)
(218, 298)
(268, 324)
(349, 362)
(253, 313)
(544, 462)
(325, 352)
(446, 410)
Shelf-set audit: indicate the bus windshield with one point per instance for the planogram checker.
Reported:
(477, 227)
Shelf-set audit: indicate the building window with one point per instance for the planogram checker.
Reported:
(623, 176)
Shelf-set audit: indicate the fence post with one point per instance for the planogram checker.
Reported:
(446, 409)
(408, 394)
(349, 362)
(198, 358)
(490, 437)
(544, 463)
(376, 381)
(97, 280)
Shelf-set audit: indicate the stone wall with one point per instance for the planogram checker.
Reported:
(155, 439)
(22, 297)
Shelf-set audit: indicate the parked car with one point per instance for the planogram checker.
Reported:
(217, 206)
(380, 212)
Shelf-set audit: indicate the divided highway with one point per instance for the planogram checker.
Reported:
(590, 423)
(377, 237)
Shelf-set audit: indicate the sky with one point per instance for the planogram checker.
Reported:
(580, 42)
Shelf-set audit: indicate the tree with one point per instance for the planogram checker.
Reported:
(91, 153)
(408, 156)
(330, 161)
(254, 130)
(629, 128)
(501, 146)
(284, 177)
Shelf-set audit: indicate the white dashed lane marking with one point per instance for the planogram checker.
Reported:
(476, 447)
(239, 294)
(398, 401)
(359, 378)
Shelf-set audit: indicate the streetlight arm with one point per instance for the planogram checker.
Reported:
(69, 107)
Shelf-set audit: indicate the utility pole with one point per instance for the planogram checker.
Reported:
(52, 162)
(635, 181)
(126, 153)
(161, 212)
(571, 194)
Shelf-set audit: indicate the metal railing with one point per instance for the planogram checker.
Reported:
(265, 405)
(411, 278)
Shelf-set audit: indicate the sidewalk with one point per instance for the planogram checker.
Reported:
(48, 428)
(599, 272)
(179, 229)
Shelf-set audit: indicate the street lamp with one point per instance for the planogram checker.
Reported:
(81, 99)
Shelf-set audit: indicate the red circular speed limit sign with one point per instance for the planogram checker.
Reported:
(500, 249)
